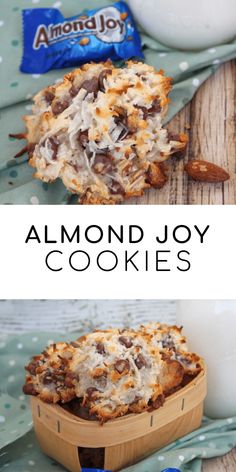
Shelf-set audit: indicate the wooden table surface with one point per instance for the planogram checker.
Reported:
(226, 463)
(212, 137)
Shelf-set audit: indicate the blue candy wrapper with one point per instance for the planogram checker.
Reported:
(171, 470)
(53, 42)
(85, 469)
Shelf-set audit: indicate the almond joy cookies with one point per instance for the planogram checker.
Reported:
(100, 131)
(114, 372)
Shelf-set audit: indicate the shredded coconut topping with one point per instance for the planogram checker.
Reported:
(101, 132)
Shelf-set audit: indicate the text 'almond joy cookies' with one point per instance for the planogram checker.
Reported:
(100, 131)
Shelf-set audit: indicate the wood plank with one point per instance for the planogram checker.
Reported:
(127, 453)
(213, 134)
(212, 116)
(226, 463)
(20, 316)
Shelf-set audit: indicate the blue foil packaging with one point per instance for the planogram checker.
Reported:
(54, 42)
(171, 470)
(85, 469)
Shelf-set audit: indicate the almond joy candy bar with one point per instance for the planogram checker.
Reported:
(52, 41)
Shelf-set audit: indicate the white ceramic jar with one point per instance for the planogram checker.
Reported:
(187, 24)
(210, 327)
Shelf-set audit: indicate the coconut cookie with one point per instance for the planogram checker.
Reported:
(48, 374)
(100, 131)
(116, 377)
(173, 345)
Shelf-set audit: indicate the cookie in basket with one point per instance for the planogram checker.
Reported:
(114, 372)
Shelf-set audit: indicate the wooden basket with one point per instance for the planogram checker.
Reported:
(122, 441)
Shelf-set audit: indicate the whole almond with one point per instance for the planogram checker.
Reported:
(206, 171)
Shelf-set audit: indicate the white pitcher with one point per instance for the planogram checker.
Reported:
(210, 327)
(187, 24)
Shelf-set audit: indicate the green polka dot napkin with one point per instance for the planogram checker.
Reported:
(17, 186)
(19, 451)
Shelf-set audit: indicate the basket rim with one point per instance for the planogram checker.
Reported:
(87, 433)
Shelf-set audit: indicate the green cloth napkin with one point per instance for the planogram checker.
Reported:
(17, 186)
(19, 451)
